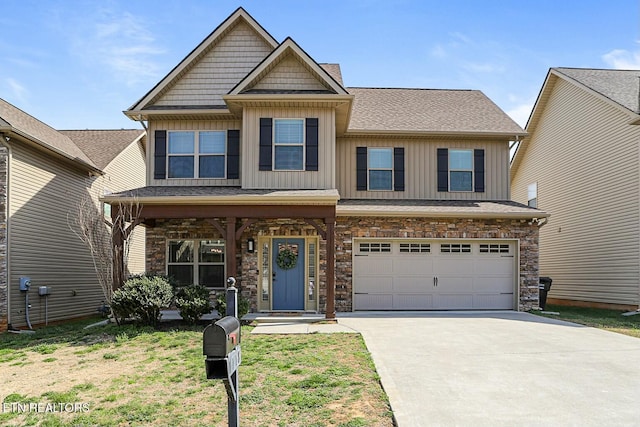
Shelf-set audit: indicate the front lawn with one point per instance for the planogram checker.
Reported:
(130, 376)
(610, 320)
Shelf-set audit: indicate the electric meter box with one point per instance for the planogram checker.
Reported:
(25, 283)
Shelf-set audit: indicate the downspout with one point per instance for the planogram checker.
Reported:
(4, 142)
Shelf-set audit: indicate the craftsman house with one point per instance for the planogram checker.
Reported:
(44, 174)
(580, 163)
(319, 197)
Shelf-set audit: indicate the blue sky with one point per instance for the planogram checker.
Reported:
(77, 64)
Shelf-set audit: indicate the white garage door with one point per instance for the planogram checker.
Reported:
(434, 275)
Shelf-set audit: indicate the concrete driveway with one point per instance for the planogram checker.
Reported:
(501, 369)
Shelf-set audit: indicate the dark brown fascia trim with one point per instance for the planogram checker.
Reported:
(237, 211)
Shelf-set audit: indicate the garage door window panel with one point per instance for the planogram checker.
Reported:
(375, 247)
(450, 248)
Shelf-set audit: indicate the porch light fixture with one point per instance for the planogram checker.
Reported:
(251, 245)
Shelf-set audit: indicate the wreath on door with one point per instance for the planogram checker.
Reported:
(286, 259)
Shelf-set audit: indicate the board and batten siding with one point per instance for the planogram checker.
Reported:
(125, 172)
(43, 194)
(322, 179)
(420, 158)
(219, 70)
(584, 157)
(188, 125)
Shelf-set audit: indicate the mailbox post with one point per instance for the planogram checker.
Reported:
(221, 346)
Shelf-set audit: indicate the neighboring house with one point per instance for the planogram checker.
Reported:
(320, 197)
(44, 173)
(580, 163)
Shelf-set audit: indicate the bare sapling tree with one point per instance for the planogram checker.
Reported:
(107, 239)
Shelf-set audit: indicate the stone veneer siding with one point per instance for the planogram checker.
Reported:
(348, 228)
(247, 264)
(4, 289)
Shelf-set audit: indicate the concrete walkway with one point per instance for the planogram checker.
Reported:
(496, 368)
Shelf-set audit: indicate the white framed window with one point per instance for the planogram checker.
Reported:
(288, 144)
(460, 170)
(196, 154)
(197, 261)
(532, 195)
(380, 168)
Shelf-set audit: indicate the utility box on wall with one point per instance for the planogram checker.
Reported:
(25, 283)
(44, 290)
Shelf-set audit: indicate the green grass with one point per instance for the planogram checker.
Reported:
(610, 320)
(129, 376)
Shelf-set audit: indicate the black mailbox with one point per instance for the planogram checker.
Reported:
(221, 337)
(221, 346)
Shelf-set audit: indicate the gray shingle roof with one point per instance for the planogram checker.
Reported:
(621, 86)
(201, 192)
(428, 111)
(438, 208)
(334, 71)
(102, 146)
(42, 134)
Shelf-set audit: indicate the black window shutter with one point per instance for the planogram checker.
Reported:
(478, 171)
(398, 169)
(265, 144)
(443, 169)
(311, 161)
(160, 156)
(233, 154)
(361, 168)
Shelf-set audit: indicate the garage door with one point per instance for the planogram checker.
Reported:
(434, 275)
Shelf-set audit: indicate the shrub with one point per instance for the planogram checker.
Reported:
(221, 305)
(192, 302)
(142, 297)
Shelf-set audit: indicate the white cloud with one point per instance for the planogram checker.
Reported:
(122, 43)
(622, 59)
(484, 67)
(520, 113)
(18, 91)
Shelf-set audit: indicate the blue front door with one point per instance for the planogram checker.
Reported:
(288, 274)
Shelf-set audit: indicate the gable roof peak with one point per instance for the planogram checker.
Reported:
(288, 46)
(622, 87)
(240, 14)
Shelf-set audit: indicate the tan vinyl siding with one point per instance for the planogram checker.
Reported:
(289, 74)
(322, 179)
(420, 157)
(584, 157)
(219, 70)
(188, 125)
(43, 192)
(125, 172)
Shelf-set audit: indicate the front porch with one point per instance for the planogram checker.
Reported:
(281, 251)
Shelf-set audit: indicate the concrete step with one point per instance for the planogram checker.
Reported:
(284, 317)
